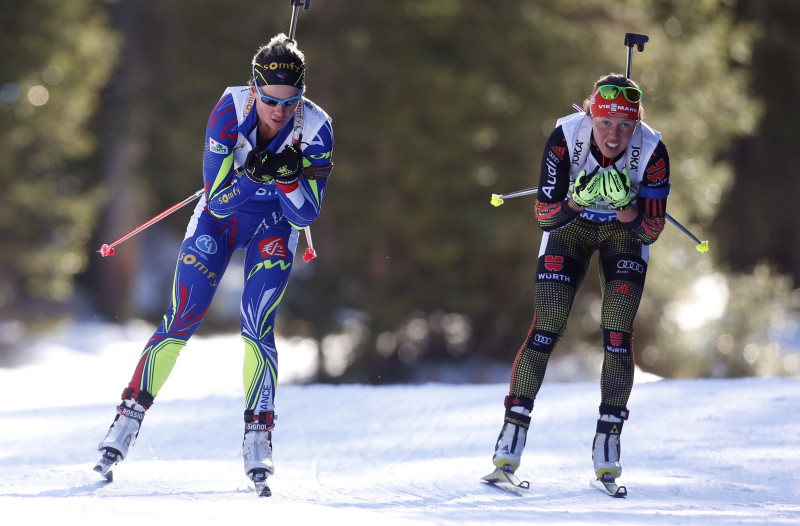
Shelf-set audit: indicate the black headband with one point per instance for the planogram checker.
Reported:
(279, 69)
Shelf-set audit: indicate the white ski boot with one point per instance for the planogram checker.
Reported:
(511, 442)
(257, 451)
(606, 447)
(120, 436)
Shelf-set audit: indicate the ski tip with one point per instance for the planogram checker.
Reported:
(263, 491)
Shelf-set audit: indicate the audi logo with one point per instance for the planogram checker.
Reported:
(542, 339)
(630, 265)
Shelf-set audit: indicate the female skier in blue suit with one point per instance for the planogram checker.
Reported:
(266, 158)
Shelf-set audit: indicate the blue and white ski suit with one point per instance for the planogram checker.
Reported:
(236, 213)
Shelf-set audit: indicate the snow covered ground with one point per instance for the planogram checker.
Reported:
(694, 451)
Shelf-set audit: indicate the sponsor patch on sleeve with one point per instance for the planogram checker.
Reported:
(215, 147)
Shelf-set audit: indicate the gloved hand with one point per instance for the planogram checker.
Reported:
(283, 168)
(587, 189)
(617, 189)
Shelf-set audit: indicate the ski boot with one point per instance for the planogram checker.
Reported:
(120, 436)
(257, 449)
(511, 442)
(606, 448)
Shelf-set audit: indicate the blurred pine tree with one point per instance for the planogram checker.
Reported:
(436, 106)
(56, 58)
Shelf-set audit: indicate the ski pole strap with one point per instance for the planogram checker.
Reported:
(317, 172)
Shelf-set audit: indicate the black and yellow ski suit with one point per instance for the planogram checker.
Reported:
(570, 239)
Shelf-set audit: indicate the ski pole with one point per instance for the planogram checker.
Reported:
(639, 41)
(297, 130)
(635, 39)
(310, 252)
(295, 8)
(108, 249)
(497, 200)
(631, 39)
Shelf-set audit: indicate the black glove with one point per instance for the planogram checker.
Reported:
(283, 168)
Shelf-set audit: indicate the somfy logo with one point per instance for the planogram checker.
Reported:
(626, 264)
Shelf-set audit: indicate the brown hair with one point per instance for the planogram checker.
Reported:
(280, 44)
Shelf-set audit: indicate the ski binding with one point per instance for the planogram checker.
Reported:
(608, 485)
(259, 478)
(109, 459)
(504, 478)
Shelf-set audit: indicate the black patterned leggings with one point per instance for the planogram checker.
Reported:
(564, 258)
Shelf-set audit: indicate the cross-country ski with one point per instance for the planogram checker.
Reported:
(609, 486)
(507, 480)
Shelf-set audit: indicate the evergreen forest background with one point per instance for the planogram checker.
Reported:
(436, 106)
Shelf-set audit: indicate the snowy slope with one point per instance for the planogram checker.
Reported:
(694, 451)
